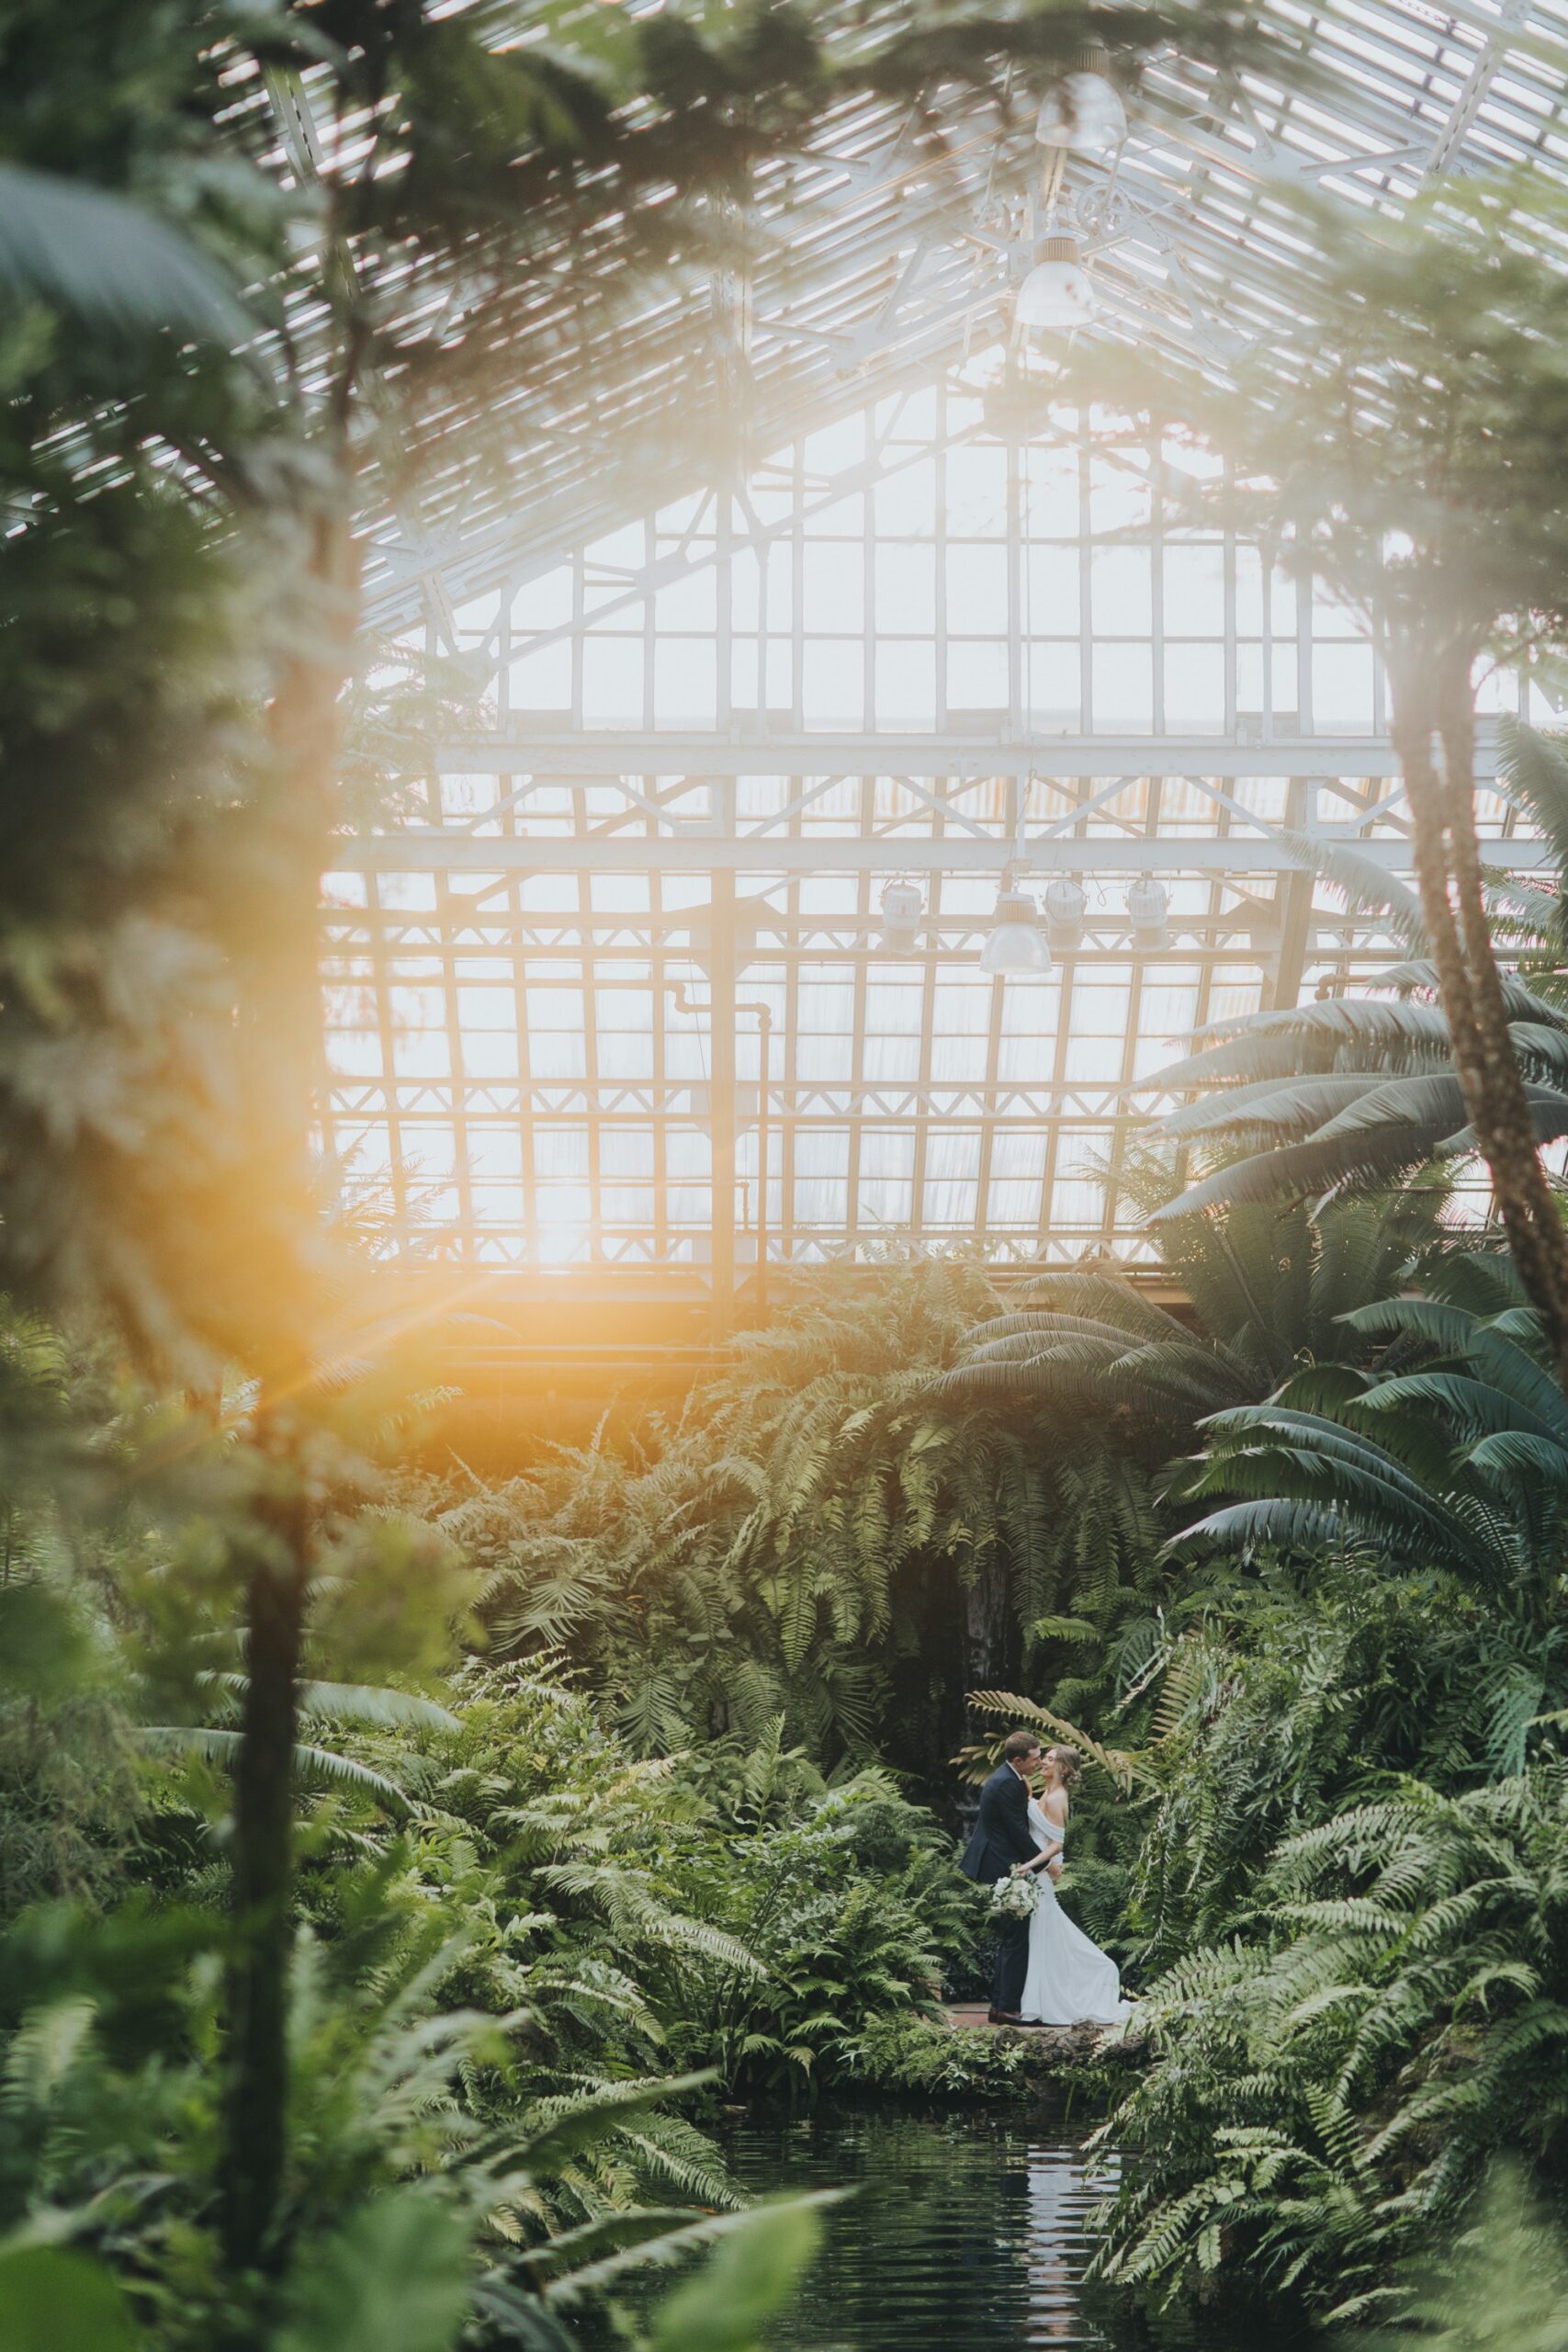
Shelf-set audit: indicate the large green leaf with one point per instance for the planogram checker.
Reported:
(1429, 1319)
(1514, 1371)
(1533, 769)
(55, 2300)
(393, 2277)
(1295, 1170)
(1316, 1441)
(1519, 1004)
(1303, 1102)
(1293, 1526)
(360, 1702)
(319, 1765)
(1044, 1324)
(1478, 1408)
(1432, 1100)
(1548, 1119)
(108, 263)
(563, 2135)
(1104, 1298)
(1520, 1453)
(749, 2279)
(1541, 1051)
(366, 1703)
(1312, 1037)
(1366, 887)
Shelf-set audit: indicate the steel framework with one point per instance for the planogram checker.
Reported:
(903, 642)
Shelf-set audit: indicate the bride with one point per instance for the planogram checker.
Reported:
(1070, 1979)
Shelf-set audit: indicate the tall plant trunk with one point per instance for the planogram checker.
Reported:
(987, 1623)
(254, 2144)
(281, 1013)
(1434, 703)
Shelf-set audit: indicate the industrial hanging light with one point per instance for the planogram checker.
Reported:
(1148, 904)
(1066, 907)
(903, 911)
(1057, 291)
(1083, 112)
(1015, 945)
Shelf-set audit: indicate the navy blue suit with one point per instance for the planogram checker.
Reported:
(1001, 1838)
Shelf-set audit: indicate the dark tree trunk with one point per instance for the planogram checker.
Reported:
(1433, 704)
(280, 1001)
(987, 1624)
(256, 2088)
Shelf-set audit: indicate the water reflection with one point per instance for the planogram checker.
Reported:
(967, 2230)
(1059, 2197)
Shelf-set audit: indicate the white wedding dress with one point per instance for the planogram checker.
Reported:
(1070, 1979)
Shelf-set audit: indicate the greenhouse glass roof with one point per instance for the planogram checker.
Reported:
(729, 704)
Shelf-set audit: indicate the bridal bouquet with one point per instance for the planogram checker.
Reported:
(1015, 1898)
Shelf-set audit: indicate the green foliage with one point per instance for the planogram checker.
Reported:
(1324, 2100)
(815, 1537)
(752, 2274)
(732, 1910)
(1462, 1460)
(918, 2057)
(52, 2301)
(518, 1914)
(1355, 1092)
(1503, 2286)
(392, 2279)
(1269, 1291)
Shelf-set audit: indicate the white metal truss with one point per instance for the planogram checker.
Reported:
(868, 265)
(903, 640)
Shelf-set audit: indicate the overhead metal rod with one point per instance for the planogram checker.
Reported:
(602, 755)
(423, 849)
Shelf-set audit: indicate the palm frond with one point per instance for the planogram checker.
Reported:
(311, 1765)
(108, 262)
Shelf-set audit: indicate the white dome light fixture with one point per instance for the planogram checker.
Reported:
(1015, 945)
(1057, 291)
(1084, 114)
(1066, 907)
(1148, 905)
(903, 911)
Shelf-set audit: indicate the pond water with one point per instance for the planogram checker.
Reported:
(965, 2232)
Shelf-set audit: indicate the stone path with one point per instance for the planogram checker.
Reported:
(1053, 2042)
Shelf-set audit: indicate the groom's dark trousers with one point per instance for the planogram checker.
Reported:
(1001, 1838)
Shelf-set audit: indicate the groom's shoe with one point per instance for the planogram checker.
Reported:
(1004, 2017)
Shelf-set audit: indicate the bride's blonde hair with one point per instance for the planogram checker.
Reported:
(1069, 1764)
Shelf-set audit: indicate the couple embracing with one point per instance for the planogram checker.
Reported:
(1047, 1971)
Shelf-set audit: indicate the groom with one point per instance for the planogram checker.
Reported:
(1002, 1839)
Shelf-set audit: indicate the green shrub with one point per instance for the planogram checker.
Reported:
(1325, 2098)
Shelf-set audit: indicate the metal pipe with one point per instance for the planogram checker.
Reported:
(764, 1014)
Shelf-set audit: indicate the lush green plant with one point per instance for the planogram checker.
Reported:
(1502, 2287)
(1269, 1290)
(1324, 2097)
(1355, 1091)
(428, 2181)
(509, 1929)
(914, 2057)
(815, 1537)
(1462, 1461)
(1122, 1382)
(728, 1910)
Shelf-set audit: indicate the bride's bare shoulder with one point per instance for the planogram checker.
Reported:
(1055, 1805)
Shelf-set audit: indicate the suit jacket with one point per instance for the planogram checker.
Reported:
(1001, 1834)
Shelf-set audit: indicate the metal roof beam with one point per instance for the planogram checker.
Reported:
(425, 849)
(603, 753)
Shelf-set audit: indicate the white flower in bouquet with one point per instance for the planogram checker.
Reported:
(1015, 1898)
